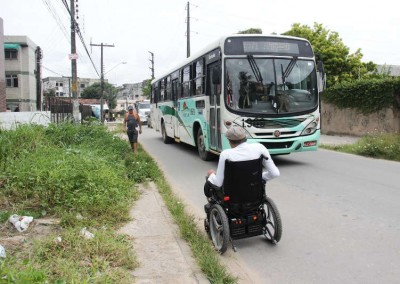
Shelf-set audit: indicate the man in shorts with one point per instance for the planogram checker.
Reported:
(131, 124)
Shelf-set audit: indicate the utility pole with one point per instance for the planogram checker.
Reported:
(188, 31)
(152, 64)
(102, 78)
(73, 57)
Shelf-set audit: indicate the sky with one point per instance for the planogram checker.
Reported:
(136, 27)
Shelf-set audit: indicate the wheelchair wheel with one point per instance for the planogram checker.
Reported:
(273, 223)
(219, 228)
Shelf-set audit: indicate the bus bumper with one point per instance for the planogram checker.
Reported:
(290, 145)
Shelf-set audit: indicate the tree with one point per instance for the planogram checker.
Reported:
(94, 92)
(146, 88)
(339, 64)
(49, 93)
(251, 31)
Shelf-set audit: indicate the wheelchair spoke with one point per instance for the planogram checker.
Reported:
(273, 224)
(219, 228)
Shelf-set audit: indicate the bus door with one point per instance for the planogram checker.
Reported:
(175, 106)
(214, 91)
(175, 116)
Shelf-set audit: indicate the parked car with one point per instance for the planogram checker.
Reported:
(143, 109)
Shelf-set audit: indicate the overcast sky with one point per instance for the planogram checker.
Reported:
(135, 27)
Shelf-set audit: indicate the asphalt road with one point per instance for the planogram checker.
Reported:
(340, 214)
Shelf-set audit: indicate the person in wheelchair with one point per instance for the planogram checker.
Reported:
(240, 151)
(238, 206)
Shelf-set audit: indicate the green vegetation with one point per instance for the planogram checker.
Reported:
(339, 64)
(383, 146)
(366, 96)
(94, 92)
(84, 176)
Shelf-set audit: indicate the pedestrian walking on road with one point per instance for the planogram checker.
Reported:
(133, 127)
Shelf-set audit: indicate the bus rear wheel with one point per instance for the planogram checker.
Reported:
(166, 138)
(201, 147)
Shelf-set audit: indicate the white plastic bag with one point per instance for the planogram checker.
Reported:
(21, 223)
(2, 252)
(86, 234)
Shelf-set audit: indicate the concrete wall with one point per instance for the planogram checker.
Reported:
(10, 120)
(336, 121)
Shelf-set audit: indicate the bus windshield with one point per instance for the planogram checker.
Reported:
(270, 85)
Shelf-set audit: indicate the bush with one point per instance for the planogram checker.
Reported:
(367, 96)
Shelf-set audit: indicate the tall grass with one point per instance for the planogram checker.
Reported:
(65, 171)
(69, 170)
(379, 146)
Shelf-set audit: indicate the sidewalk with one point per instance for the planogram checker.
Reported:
(163, 256)
(333, 140)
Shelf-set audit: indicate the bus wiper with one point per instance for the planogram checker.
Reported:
(255, 69)
(289, 69)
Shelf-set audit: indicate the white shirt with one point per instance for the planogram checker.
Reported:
(244, 152)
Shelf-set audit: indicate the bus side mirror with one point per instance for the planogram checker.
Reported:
(321, 78)
(320, 66)
(216, 75)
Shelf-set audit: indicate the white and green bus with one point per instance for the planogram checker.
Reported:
(269, 85)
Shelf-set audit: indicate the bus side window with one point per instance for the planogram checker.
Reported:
(213, 84)
(155, 93)
(162, 89)
(186, 81)
(198, 81)
(175, 87)
(168, 89)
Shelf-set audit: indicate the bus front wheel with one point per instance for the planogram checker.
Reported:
(166, 138)
(201, 147)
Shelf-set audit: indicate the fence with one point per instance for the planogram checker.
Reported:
(62, 109)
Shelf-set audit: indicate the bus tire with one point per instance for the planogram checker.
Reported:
(201, 147)
(166, 138)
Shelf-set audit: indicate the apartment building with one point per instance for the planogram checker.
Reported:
(22, 73)
(129, 94)
(2, 73)
(62, 85)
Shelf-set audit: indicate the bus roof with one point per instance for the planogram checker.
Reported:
(215, 44)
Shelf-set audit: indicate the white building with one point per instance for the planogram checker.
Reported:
(62, 85)
(22, 60)
(129, 94)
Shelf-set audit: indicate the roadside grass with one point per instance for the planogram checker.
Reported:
(201, 247)
(84, 176)
(77, 175)
(379, 146)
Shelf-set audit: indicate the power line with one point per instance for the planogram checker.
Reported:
(48, 69)
(76, 25)
(56, 17)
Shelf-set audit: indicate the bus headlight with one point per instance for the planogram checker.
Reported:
(311, 127)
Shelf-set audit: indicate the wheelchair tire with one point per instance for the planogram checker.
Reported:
(273, 222)
(219, 228)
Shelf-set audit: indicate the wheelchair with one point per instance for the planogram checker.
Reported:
(240, 208)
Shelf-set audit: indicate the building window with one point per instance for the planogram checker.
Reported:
(10, 54)
(82, 86)
(12, 81)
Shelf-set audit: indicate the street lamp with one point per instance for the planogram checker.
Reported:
(123, 62)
